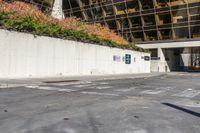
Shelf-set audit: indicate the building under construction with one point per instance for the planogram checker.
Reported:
(170, 29)
(141, 20)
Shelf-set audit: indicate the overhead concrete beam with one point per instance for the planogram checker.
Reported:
(170, 45)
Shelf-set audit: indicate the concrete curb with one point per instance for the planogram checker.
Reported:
(10, 83)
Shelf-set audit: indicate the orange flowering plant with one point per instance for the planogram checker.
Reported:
(27, 17)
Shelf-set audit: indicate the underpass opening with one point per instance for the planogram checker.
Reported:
(175, 59)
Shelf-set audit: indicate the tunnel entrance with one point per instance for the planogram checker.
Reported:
(175, 59)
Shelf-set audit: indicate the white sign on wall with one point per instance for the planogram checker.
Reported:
(117, 58)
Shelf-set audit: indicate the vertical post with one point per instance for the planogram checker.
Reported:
(80, 3)
(57, 11)
(189, 19)
(142, 20)
(157, 20)
(162, 65)
(161, 54)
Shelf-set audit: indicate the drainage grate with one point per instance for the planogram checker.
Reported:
(61, 81)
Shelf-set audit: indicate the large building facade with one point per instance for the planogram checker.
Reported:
(170, 29)
(141, 20)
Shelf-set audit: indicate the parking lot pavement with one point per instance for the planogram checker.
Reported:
(168, 103)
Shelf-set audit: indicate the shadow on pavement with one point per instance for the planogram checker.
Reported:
(182, 109)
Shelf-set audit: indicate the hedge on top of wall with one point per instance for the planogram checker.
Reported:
(24, 17)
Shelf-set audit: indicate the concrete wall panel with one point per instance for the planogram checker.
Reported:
(23, 55)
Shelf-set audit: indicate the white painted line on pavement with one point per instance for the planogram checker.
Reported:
(84, 85)
(66, 90)
(165, 88)
(189, 93)
(153, 92)
(158, 90)
(189, 103)
(49, 88)
(103, 87)
(32, 86)
(103, 83)
(126, 90)
(97, 93)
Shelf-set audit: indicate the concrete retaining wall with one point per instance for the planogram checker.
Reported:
(23, 55)
(158, 66)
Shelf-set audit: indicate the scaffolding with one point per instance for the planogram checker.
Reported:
(141, 20)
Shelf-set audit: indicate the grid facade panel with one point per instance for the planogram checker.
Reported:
(142, 20)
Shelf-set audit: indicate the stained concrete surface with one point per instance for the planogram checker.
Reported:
(167, 103)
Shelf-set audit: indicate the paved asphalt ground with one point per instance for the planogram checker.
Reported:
(166, 103)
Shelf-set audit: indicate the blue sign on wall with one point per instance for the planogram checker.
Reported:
(127, 59)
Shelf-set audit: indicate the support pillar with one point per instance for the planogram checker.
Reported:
(162, 64)
(57, 11)
(161, 54)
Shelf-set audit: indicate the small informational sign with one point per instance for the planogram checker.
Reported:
(146, 58)
(123, 58)
(127, 59)
(116, 58)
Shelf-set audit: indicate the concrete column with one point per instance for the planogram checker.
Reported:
(162, 63)
(161, 55)
(57, 11)
(185, 60)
